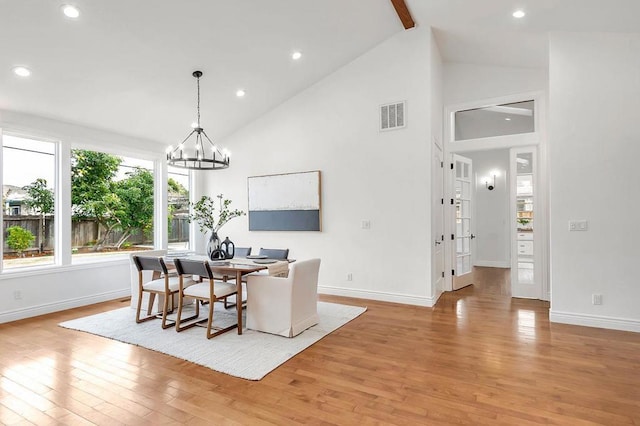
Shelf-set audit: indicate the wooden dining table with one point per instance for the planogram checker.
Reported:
(229, 268)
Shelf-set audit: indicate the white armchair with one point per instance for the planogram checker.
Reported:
(284, 306)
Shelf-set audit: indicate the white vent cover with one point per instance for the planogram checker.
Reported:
(392, 116)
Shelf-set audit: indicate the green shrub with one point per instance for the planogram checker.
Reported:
(19, 239)
(126, 245)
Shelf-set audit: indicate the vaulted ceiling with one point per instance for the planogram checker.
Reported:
(126, 66)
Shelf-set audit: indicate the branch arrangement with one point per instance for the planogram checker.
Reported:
(204, 213)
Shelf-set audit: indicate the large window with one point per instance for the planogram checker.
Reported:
(103, 204)
(178, 205)
(112, 205)
(28, 179)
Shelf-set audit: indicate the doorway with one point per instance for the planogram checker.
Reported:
(495, 203)
(495, 136)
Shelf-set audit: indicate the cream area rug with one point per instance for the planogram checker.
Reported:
(251, 355)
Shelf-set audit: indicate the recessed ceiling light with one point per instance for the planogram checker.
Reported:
(507, 119)
(70, 11)
(240, 93)
(519, 14)
(296, 55)
(22, 71)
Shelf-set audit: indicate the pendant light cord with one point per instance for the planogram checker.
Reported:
(198, 79)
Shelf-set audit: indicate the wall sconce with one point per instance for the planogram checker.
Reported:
(490, 182)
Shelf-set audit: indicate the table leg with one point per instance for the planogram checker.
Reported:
(239, 299)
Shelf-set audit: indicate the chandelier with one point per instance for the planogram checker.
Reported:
(199, 152)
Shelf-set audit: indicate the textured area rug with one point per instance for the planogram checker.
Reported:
(251, 355)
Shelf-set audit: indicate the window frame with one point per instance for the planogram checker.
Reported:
(62, 198)
(56, 200)
(494, 142)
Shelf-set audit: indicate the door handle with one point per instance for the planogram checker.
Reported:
(438, 242)
(472, 236)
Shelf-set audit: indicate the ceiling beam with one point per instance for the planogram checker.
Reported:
(403, 13)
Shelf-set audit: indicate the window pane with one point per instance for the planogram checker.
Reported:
(28, 173)
(496, 120)
(112, 205)
(178, 201)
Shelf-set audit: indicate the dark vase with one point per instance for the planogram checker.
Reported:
(213, 247)
(228, 247)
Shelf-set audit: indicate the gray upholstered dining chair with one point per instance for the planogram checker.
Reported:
(242, 251)
(206, 291)
(276, 254)
(279, 254)
(161, 283)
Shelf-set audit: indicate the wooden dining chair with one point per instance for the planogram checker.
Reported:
(242, 251)
(207, 291)
(279, 254)
(161, 283)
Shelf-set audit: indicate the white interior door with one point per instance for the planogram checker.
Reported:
(437, 228)
(463, 265)
(525, 251)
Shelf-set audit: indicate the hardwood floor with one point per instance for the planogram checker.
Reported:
(477, 358)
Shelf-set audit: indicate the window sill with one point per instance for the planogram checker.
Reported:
(57, 269)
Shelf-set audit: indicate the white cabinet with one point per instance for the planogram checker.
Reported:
(525, 248)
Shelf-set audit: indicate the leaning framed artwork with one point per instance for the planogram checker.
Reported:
(285, 202)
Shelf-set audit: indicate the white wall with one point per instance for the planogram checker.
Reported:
(62, 287)
(435, 94)
(491, 209)
(594, 147)
(367, 175)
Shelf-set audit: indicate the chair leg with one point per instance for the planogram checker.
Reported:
(139, 308)
(218, 330)
(210, 322)
(165, 311)
(179, 319)
(233, 305)
(152, 298)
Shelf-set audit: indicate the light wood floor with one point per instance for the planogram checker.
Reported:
(477, 358)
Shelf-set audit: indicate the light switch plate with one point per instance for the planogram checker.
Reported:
(578, 225)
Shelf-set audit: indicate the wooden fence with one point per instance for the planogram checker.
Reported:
(85, 232)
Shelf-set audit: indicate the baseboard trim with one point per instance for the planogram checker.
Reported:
(33, 311)
(587, 320)
(378, 295)
(492, 263)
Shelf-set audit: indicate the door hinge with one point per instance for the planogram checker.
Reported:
(442, 274)
(441, 200)
(442, 164)
(442, 237)
(453, 237)
(451, 166)
(452, 201)
(453, 272)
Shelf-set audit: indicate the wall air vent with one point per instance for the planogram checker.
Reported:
(393, 116)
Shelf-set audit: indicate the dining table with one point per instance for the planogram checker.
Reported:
(234, 268)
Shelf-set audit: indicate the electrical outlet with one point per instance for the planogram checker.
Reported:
(596, 299)
(349, 276)
(366, 224)
(17, 295)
